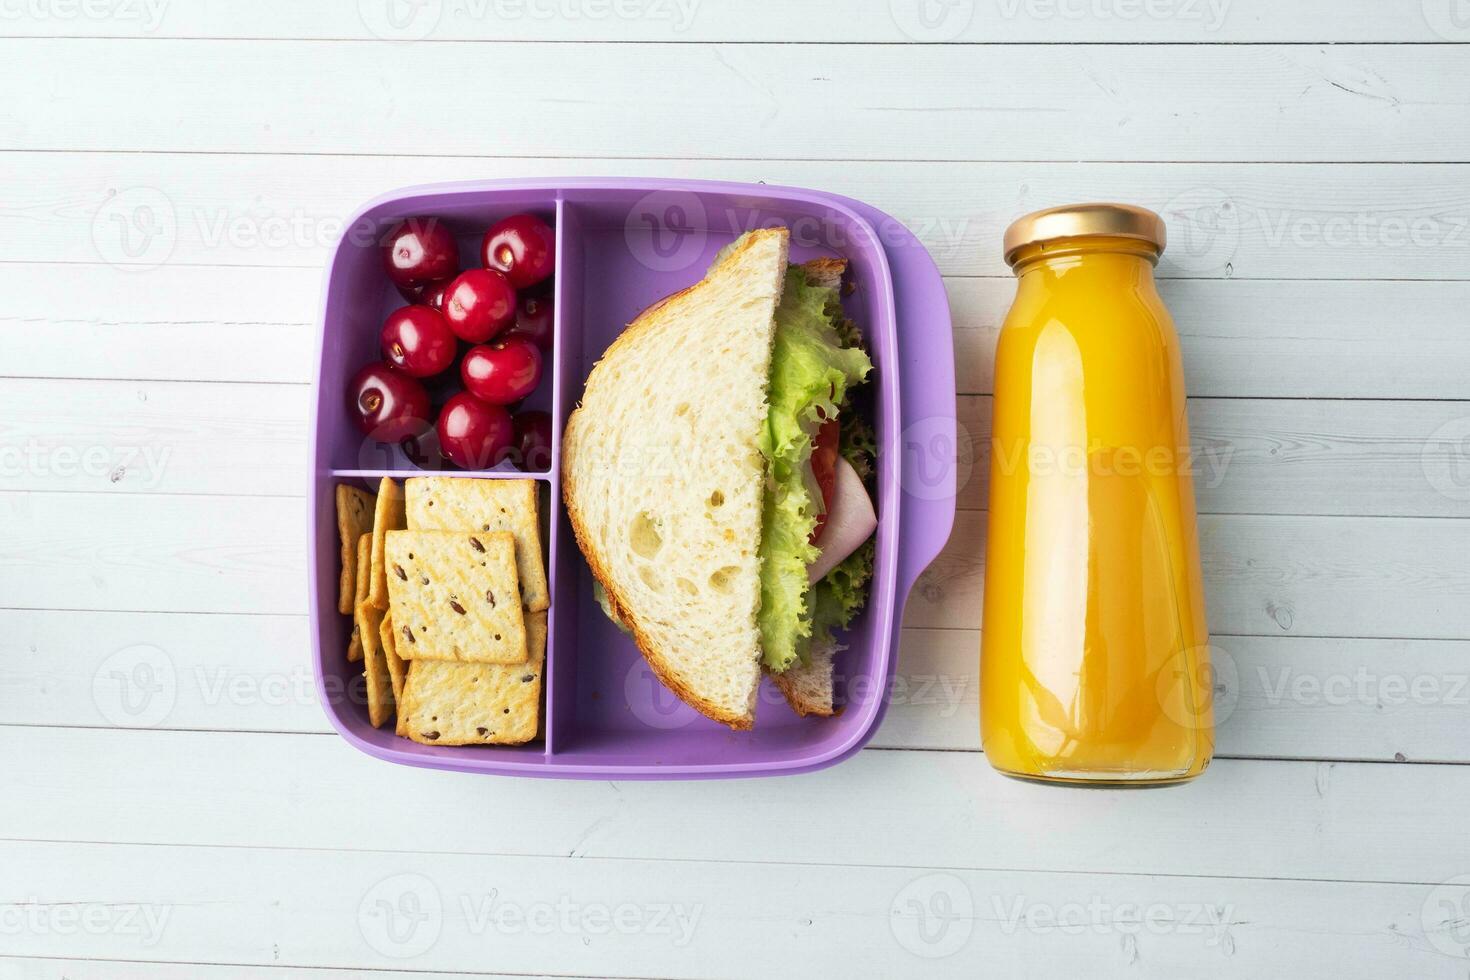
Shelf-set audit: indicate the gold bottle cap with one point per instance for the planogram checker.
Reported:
(1083, 220)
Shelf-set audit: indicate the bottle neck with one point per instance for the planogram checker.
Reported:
(1111, 257)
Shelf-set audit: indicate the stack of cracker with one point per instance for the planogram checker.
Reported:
(448, 593)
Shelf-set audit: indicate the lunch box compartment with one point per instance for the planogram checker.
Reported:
(621, 246)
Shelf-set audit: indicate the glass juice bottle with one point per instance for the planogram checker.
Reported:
(1094, 665)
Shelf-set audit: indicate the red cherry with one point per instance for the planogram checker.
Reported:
(426, 293)
(502, 372)
(418, 341)
(479, 304)
(533, 321)
(472, 434)
(533, 441)
(521, 246)
(387, 404)
(419, 250)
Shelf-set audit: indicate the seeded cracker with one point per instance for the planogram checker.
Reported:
(452, 596)
(439, 503)
(397, 668)
(364, 562)
(375, 663)
(476, 704)
(354, 514)
(387, 516)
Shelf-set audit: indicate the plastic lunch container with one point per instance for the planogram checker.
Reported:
(621, 245)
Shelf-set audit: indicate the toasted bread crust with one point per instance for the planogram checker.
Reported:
(825, 272)
(802, 706)
(617, 601)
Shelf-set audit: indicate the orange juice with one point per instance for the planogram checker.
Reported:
(1094, 665)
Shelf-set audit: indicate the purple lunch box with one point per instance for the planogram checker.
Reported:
(622, 244)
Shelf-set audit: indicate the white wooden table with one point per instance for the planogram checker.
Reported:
(172, 175)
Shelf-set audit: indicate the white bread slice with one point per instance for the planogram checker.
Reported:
(663, 476)
(808, 687)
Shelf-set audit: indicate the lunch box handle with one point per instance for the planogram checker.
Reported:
(929, 430)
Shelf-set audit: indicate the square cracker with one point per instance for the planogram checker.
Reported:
(354, 518)
(447, 503)
(397, 667)
(476, 704)
(364, 553)
(387, 516)
(375, 664)
(452, 596)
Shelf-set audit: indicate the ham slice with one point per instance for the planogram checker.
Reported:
(850, 521)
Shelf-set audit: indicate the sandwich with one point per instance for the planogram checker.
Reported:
(718, 478)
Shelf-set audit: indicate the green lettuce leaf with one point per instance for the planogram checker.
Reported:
(858, 444)
(839, 596)
(810, 374)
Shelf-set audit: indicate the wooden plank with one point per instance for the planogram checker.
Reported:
(1241, 338)
(1282, 697)
(1327, 457)
(1251, 456)
(221, 671)
(152, 437)
(1264, 575)
(1271, 575)
(1195, 102)
(1286, 697)
(919, 809)
(1264, 221)
(177, 323)
(42, 968)
(448, 912)
(1271, 339)
(849, 21)
(152, 553)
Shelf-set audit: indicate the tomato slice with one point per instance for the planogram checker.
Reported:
(824, 469)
